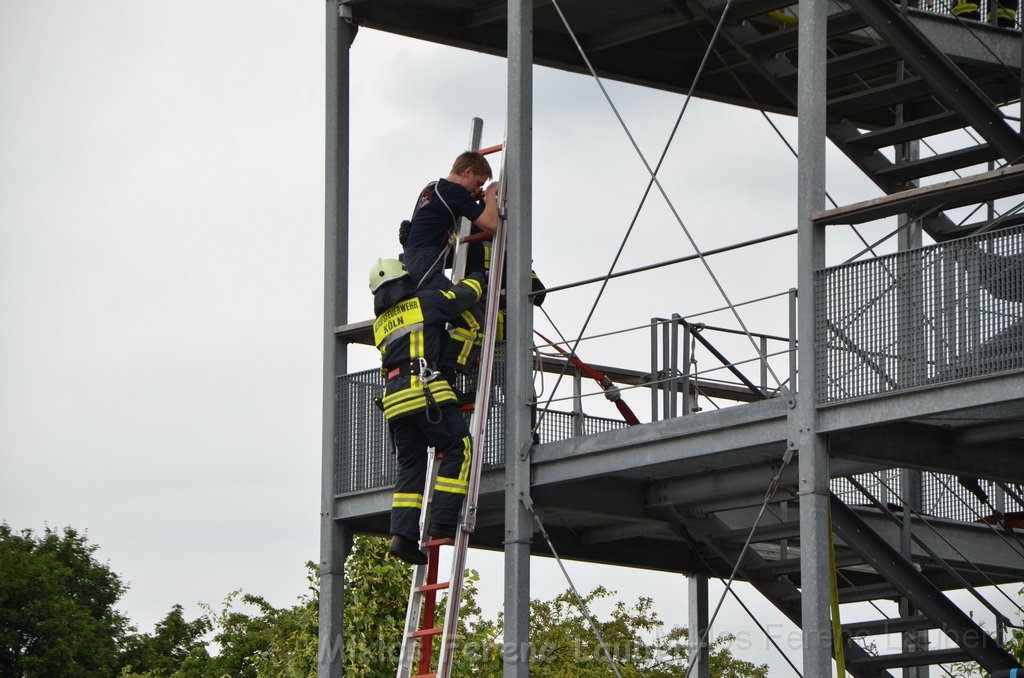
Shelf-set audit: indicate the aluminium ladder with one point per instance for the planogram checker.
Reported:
(420, 613)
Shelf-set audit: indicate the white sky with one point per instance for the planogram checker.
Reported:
(161, 267)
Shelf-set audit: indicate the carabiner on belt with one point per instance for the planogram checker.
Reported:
(427, 374)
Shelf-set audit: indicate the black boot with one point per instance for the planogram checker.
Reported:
(442, 530)
(407, 549)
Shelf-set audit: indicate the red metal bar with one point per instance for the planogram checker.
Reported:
(427, 630)
(433, 587)
(602, 380)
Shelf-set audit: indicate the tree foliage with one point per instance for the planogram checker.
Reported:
(57, 615)
(165, 651)
(376, 590)
(1013, 643)
(57, 619)
(565, 645)
(376, 593)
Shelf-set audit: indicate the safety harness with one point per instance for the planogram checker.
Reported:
(401, 320)
(449, 239)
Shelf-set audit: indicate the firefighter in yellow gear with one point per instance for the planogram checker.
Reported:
(1006, 11)
(420, 407)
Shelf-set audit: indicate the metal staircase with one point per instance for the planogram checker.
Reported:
(888, 85)
(869, 568)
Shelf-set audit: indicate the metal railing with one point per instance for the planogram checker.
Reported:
(943, 8)
(946, 7)
(365, 459)
(940, 495)
(674, 373)
(934, 315)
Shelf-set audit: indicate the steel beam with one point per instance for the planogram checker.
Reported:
(942, 401)
(930, 448)
(727, 486)
(518, 159)
(947, 194)
(333, 539)
(714, 440)
(815, 572)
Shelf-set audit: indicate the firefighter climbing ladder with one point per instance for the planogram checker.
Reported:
(420, 614)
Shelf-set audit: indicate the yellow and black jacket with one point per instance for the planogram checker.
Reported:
(466, 335)
(408, 331)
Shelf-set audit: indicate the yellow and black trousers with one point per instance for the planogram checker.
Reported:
(443, 428)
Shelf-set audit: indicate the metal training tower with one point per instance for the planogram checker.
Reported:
(871, 454)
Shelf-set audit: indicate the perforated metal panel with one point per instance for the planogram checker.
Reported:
(934, 315)
(942, 496)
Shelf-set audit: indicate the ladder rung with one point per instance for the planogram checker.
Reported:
(440, 541)
(436, 631)
(432, 587)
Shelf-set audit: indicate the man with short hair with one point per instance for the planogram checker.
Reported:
(435, 219)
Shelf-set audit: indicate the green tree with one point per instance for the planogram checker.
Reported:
(291, 650)
(283, 643)
(376, 591)
(57, 615)
(376, 596)
(564, 644)
(1013, 643)
(57, 619)
(162, 653)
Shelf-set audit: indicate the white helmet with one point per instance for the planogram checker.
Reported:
(385, 270)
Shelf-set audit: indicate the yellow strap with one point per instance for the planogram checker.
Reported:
(783, 18)
(837, 629)
(407, 500)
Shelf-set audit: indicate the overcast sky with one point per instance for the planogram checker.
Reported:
(161, 266)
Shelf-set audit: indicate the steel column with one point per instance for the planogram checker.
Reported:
(518, 328)
(915, 640)
(655, 385)
(909, 277)
(813, 458)
(689, 379)
(700, 636)
(333, 539)
(673, 370)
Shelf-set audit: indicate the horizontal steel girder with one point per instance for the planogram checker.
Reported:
(733, 436)
(944, 400)
(931, 448)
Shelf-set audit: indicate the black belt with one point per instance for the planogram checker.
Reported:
(406, 369)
